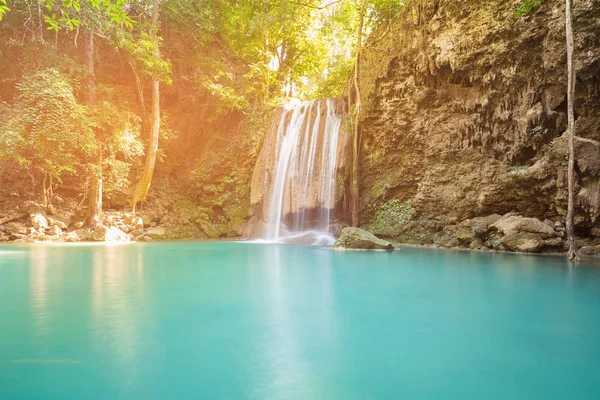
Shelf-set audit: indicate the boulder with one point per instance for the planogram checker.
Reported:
(146, 220)
(31, 207)
(480, 225)
(60, 221)
(513, 224)
(15, 227)
(54, 230)
(157, 233)
(523, 241)
(590, 251)
(103, 233)
(136, 222)
(359, 239)
(12, 217)
(137, 232)
(553, 242)
(39, 221)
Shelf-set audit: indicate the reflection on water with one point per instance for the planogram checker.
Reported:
(118, 309)
(37, 288)
(247, 321)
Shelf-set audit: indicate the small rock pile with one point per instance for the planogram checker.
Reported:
(35, 224)
(507, 232)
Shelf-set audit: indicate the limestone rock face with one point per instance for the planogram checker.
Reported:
(463, 111)
(359, 239)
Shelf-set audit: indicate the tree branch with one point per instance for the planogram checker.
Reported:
(313, 6)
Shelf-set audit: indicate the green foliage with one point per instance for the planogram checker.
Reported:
(518, 168)
(3, 9)
(527, 7)
(46, 127)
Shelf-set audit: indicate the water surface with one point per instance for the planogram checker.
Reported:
(218, 320)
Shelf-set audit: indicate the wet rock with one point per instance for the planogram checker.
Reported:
(359, 239)
(513, 224)
(39, 221)
(523, 241)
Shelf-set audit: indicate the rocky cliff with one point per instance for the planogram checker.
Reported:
(464, 106)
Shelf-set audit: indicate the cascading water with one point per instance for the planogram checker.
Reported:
(300, 183)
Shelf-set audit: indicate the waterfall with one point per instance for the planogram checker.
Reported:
(299, 170)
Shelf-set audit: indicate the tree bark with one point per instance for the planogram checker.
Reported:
(570, 223)
(95, 199)
(356, 137)
(141, 189)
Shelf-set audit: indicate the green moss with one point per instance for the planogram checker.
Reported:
(391, 217)
(518, 168)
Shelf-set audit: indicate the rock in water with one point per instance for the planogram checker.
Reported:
(525, 241)
(359, 239)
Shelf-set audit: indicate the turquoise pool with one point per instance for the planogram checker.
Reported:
(226, 320)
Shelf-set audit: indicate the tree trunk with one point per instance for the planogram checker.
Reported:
(95, 199)
(572, 253)
(141, 189)
(356, 137)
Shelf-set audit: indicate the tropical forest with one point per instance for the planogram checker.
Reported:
(299, 199)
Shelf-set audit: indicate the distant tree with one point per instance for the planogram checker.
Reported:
(46, 129)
